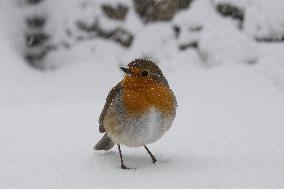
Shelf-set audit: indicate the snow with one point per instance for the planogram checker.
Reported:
(263, 19)
(228, 132)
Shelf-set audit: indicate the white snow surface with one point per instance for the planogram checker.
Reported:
(228, 132)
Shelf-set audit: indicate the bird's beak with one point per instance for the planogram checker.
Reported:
(125, 70)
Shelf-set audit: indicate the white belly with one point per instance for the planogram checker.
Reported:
(144, 130)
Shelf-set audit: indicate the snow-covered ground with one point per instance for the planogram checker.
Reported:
(228, 133)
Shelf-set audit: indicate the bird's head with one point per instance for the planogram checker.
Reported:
(144, 70)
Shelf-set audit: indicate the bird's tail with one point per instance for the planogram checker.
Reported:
(104, 144)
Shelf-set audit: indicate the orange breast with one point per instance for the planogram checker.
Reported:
(140, 94)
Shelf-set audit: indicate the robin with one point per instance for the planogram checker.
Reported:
(138, 110)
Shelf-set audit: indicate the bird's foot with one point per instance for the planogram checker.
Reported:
(124, 167)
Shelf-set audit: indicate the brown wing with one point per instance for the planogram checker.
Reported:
(114, 91)
(175, 99)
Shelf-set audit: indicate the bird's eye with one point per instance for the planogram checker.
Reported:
(144, 74)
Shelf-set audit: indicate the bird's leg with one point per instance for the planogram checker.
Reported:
(153, 157)
(121, 160)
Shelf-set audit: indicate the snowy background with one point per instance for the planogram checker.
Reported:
(224, 59)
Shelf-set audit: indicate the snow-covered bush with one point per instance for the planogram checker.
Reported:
(218, 31)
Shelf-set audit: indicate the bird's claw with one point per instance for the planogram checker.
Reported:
(124, 167)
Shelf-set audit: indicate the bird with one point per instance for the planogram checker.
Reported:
(138, 110)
